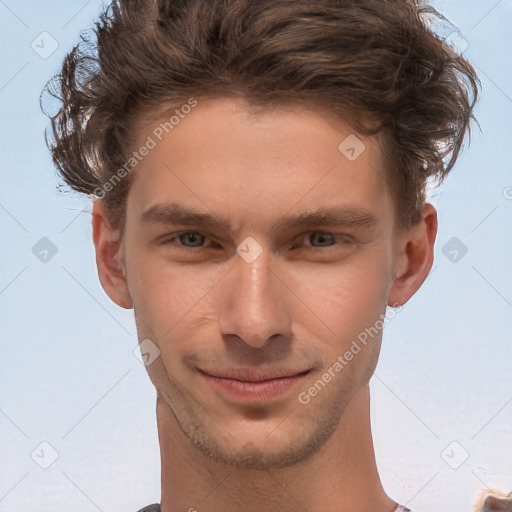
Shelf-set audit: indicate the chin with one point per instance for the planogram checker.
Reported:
(266, 446)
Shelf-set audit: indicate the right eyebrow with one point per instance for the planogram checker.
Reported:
(174, 213)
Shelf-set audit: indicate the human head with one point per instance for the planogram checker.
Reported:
(333, 68)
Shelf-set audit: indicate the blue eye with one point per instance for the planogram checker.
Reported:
(189, 240)
(319, 240)
(196, 239)
(322, 238)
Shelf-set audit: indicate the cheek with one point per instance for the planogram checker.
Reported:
(166, 297)
(348, 298)
(351, 304)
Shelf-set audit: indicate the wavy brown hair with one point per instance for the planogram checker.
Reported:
(377, 64)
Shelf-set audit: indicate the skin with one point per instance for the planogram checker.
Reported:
(299, 305)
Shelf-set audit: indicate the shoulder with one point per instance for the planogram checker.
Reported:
(151, 508)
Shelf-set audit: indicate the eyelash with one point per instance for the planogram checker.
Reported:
(347, 241)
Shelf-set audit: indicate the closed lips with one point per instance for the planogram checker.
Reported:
(245, 375)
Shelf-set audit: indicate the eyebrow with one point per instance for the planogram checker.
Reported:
(174, 213)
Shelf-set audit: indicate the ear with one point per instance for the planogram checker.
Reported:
(414, 257)
(108, 257)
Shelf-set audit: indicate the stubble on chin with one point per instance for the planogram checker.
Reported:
(302, 434)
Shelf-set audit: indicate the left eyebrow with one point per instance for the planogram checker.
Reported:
(349, 217)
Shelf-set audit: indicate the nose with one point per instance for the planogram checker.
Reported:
(254, 304)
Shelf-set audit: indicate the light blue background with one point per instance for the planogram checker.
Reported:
(68, 373)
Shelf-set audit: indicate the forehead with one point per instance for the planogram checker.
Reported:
(256, 166)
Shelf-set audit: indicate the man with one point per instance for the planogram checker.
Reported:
(258, 173)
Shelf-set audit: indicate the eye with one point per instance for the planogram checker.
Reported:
(189, 240)
(320, 240)
(195, 239)
(323, 239)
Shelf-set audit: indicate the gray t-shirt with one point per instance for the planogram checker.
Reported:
(156, 508)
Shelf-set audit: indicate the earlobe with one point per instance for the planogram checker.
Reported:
(108, 261)
(415, 256)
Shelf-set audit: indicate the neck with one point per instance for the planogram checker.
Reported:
(341, 476)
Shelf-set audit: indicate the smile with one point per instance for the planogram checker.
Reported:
(256, 387)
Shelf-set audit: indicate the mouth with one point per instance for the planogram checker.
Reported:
(252, 385)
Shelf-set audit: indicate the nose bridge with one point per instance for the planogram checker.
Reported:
(254, 306)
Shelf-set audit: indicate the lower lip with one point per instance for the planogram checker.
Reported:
(255, 391)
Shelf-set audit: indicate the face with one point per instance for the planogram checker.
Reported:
(255, 253)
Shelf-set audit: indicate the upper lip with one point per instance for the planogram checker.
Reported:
(254, 375)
